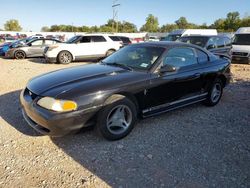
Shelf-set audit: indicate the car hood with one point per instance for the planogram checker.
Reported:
(241, 48)
(80, 80)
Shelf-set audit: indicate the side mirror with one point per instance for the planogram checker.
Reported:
(167, 68)
(211, 46)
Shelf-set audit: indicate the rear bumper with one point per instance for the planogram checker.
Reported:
(52, 123)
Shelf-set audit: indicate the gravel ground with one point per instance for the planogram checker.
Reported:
(196, 146)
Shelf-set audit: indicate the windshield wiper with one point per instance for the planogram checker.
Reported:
(120, 65)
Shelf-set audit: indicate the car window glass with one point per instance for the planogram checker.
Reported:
(220, 42)
(228, 42)
(180, 57)
(136, 57)
(211, 43)
(202, 56)
(85, 39)
(98, 39)
(114, 38)
(37, 43)
(49, 42)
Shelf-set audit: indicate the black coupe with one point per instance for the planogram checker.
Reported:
(140, 80)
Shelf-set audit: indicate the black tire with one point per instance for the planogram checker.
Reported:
(109, 52)
(19, 54)
(110, 125)
(64, 57)
(213, 99)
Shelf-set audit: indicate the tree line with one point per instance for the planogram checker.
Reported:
(229, 24)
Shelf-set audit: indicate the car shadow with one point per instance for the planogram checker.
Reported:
(175, 149)
(11, 112)
(40, 60)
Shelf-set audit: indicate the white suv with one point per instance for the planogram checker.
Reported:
(82, 47)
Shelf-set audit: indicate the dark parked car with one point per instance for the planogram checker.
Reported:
(140, 80)
(34, 48)
(125, 40)
(215, 44)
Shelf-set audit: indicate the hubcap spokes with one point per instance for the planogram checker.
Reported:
(19, 55)
(216, 92)
(119, 119)
(65, 58)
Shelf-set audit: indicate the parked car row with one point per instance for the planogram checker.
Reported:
(97, 46)
(79, 47)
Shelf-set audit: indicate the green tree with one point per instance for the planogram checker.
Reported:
(232, 22)
(12, 25)
(219, 25)
(127, 27)
(245, 22)
(182, 23)
(168, 28)
(45, 29)
(151, 25)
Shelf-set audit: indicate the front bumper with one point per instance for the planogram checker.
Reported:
(241, 59)
(53, 123)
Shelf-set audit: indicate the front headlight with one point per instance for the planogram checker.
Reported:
(52, 47)
(57, 105)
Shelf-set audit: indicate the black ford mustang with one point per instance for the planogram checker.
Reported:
(139, 80)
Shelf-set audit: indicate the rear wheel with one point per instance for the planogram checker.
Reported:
(117, 118)
(19, 54)
(109, 52)
(64, 57)
(215, 93)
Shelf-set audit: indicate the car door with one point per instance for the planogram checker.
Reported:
(182, 84)
(84, 48)
(100, 45)
(218, 45)
(36, 48)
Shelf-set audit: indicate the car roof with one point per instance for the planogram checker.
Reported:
(208, 36)
(171, 44)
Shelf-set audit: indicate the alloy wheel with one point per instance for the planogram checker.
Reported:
(216, 93)
(119, 119)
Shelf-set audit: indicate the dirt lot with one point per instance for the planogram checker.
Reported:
(196, 146)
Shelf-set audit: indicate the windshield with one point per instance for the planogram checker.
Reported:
(73, 39)
(241, 39)
(21, 41)
(199, 41)
(135, 57)
(172, 37)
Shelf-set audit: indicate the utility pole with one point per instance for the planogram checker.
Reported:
(115, 14)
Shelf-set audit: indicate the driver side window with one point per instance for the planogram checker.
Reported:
(37, 43)
(180, 57)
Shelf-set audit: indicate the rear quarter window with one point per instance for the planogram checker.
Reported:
(114, 38)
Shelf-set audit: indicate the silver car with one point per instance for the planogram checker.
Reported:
(34, 48)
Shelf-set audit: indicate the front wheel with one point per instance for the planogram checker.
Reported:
(64, 57)
(215, 93)
(19, 54)
(117, 119)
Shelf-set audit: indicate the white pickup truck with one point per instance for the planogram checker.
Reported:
(82, 47)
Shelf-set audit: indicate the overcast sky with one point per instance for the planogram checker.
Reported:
(33, 14)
